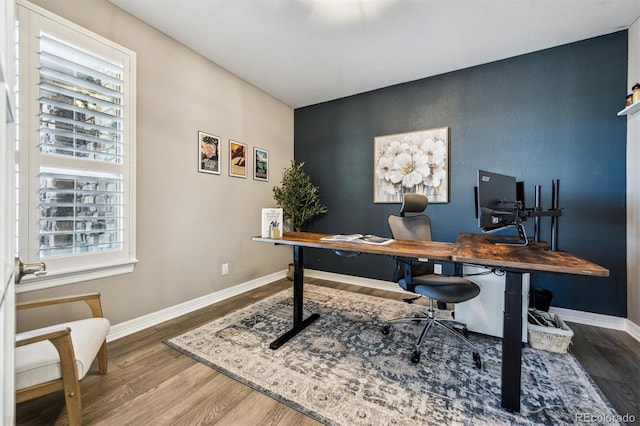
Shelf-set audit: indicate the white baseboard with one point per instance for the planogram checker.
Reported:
(570, 315)
(137, 324)
(588, 318)
(350, 279)
(633, 329)
(126, 328)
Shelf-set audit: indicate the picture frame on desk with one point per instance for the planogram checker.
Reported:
(208, 153)
(271, 223)
(412, 162)
(237, 159)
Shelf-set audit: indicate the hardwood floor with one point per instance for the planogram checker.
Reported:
(149, 383)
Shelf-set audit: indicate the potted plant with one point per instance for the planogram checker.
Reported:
(298, 197)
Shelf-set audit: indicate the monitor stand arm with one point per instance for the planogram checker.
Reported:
(510, 241)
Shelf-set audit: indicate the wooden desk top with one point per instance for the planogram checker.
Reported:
(477, 250)
(469, 248)
(432, 250)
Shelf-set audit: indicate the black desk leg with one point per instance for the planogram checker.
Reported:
(512, 342)
(299, 324)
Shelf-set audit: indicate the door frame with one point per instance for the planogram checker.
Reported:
(7, 213)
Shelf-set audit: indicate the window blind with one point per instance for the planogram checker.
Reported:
(81, 107)
(79, 214)
(80, 98)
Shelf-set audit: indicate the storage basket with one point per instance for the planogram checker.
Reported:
(550, 338)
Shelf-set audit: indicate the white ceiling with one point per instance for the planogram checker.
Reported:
(304, 52)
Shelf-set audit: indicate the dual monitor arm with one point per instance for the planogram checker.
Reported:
(520, 214)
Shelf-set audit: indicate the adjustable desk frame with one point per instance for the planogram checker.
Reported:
(299, 323)
(469, 248)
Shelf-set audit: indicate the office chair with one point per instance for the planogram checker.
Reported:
(418, 277)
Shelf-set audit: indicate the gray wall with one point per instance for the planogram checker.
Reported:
(542, 116)
(188, 223)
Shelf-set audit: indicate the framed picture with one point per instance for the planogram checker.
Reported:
(260, 164)
(208, 153)
(415, 162)
(237, 159)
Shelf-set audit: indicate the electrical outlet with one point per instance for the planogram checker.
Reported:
(437, 268)
(225, 269)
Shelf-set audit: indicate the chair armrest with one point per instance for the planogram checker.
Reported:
(61, 340)
(92, 299)
(29, 337)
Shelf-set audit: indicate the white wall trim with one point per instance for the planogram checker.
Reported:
(350, 279)
(633, 329)
(137, 324)
(126, 328)
(588, 318)
(570, 315)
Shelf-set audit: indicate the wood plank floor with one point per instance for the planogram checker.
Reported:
(149, 383)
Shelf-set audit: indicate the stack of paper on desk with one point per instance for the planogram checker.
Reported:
(359, 238)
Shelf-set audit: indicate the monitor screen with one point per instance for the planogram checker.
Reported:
(496, 200)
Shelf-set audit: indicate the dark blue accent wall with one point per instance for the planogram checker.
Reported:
(541, 116)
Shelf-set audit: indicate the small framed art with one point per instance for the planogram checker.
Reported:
(260, 164)
(237, 159)
(208, 153)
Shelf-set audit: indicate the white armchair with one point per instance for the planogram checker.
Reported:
(58, 357)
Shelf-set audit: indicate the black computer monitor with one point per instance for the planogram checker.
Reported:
(498, 207)
(496, 200)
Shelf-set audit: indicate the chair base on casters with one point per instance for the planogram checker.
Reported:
(456, 328)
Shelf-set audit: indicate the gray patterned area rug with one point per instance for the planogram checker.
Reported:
(342, 370)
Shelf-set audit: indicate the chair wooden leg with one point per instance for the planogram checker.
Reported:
(102, 358)
(73, 401)
(70, 381)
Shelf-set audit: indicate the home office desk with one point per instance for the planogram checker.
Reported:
(515, 261)
(469, 248)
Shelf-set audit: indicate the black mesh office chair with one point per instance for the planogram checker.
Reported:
(418, 277)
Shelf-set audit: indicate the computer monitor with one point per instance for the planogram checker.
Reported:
(496, 200)
(498, 207)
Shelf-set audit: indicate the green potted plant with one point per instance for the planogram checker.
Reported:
(298, 197)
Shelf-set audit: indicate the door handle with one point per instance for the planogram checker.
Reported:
(22, 269)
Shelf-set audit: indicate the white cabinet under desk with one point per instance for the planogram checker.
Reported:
(484, 313)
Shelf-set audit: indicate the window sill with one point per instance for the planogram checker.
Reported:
(71, 277)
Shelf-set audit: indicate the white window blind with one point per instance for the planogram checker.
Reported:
(81, 98)
(77, 147)
(79, 213)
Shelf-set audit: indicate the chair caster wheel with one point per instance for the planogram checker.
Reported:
(385, 329)
(476, 360)
(462, 330)
(415, 357)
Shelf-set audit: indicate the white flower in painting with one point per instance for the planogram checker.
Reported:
(438, 175)
(384, 166)
(435, 149)
(411, 168)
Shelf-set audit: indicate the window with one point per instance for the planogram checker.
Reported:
(76, 139)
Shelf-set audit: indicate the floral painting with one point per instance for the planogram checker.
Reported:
(414, 162)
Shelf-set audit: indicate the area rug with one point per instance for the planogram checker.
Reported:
(342, 370)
